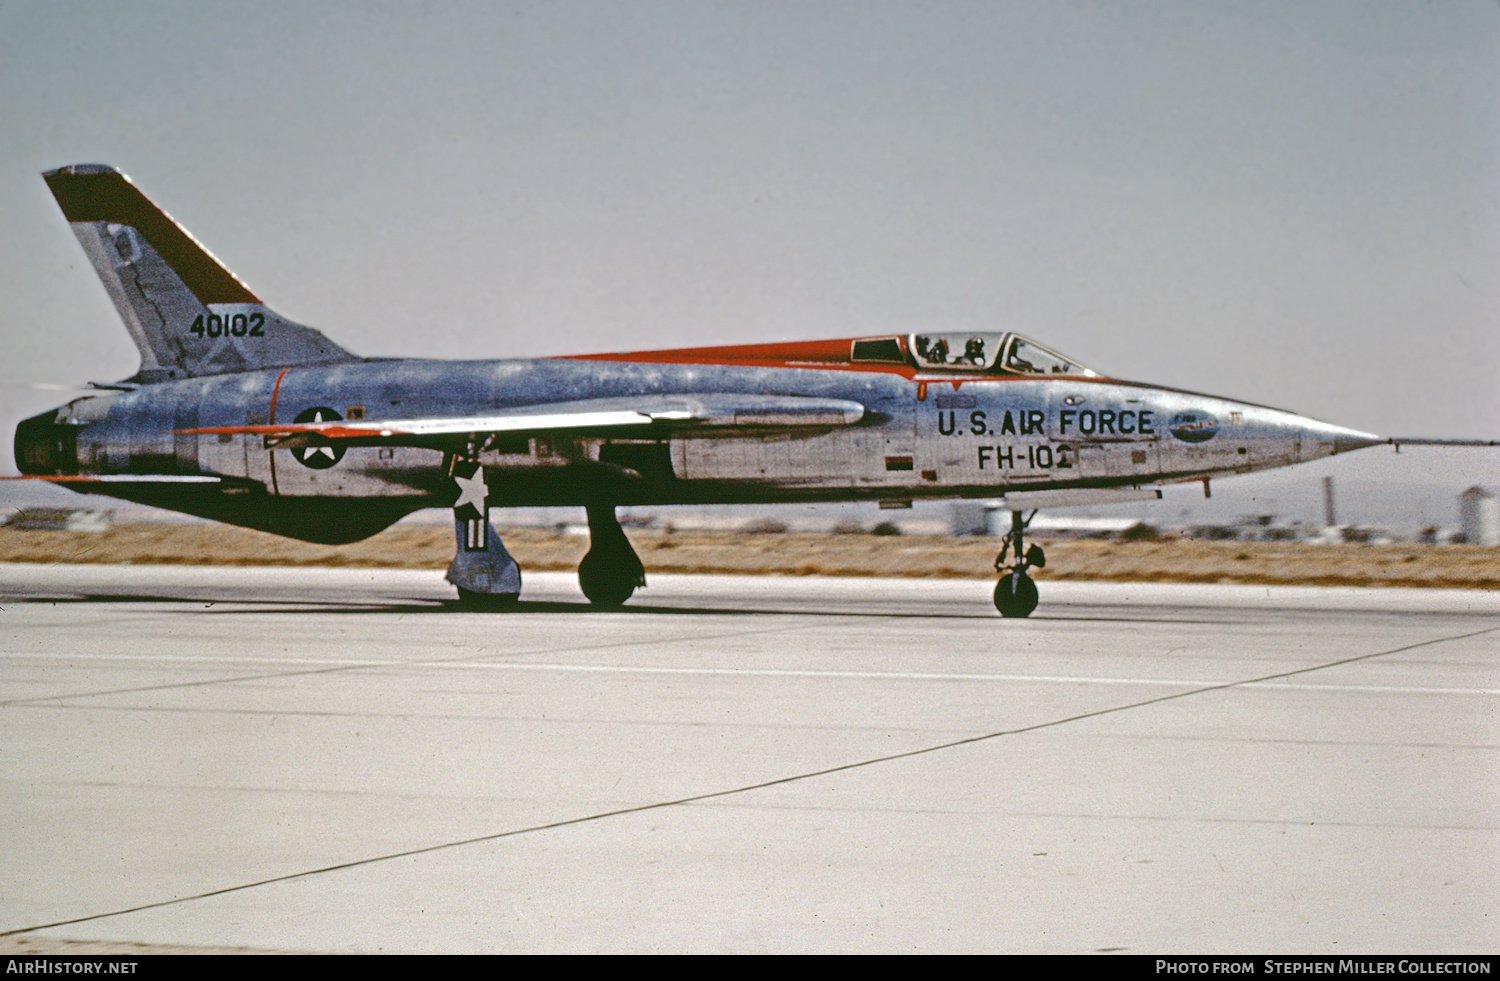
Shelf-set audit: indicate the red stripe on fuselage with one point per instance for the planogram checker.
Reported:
(831, 355)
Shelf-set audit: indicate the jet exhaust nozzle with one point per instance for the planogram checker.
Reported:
(45, 447)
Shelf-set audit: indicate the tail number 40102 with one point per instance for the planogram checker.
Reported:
(234, 325)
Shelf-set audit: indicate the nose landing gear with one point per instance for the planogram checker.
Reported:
(1015, 593)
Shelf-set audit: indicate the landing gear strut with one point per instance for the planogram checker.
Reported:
(485, 574)
(611, 570)
(1015, 593)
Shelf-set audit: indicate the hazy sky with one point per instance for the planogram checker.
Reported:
(1290, 203)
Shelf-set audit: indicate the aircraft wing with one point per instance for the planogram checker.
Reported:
(715, 414)
(155, 480)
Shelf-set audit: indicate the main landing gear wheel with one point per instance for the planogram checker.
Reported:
(1015, 593)
(611, 570)
(605, 583)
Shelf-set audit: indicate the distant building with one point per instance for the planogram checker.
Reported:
(1479, 517)
(970, 518)
(993, 518)
(1064, 526)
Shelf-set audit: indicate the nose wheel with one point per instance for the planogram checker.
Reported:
(1015, 593)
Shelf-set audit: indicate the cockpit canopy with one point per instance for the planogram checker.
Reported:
(990, 353)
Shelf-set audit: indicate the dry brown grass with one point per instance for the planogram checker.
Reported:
(431, 547)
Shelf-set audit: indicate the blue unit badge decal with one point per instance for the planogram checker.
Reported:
(1194, 427)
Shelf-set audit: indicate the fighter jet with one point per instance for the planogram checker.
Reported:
(242, 416)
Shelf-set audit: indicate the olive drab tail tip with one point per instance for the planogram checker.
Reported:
(187, 313)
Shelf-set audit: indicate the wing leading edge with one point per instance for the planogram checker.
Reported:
(667, 415)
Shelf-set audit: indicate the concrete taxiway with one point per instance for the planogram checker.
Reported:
(340, 760)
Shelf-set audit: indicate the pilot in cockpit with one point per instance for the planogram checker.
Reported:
(1017, 363)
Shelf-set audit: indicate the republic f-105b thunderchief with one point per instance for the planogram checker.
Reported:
(244, 417)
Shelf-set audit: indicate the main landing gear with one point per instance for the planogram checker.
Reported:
(485, 574)
(489, 579)
(611, 570)
(1015, 593)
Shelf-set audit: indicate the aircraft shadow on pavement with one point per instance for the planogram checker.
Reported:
(241, 606)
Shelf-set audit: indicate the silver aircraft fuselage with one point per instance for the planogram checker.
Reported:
(921, 435)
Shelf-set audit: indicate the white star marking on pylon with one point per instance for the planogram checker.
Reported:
(471, 490)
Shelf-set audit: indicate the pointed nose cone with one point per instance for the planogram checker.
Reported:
(1319, 439)
(1353, 439)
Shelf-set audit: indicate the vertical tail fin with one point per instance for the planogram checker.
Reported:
(187, 313)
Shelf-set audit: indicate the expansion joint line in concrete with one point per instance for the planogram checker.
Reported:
(780, 781)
